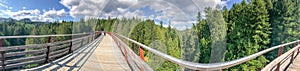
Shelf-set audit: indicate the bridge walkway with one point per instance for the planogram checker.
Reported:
(295, 66)
(105, 56)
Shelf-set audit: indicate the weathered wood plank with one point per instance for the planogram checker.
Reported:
(295, 66)
(58, 47)
(23, 47)
(107, 56)
(41, 45)
(67, 41)
(62, 46)
(57, 55)
(58, 51)
(25, 59)
(42, 36)
(75, 47)
(279, 59)
(76, 42)
(25, 52)
(13, 63)
(24, 63)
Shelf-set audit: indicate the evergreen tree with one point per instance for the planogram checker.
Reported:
(248, 33)
(203, 32)
(283, 21)
(217, 27)
(225, 14)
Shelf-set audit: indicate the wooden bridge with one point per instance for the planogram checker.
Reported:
(95, 52)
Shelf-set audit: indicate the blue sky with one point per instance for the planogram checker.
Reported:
(35, 4)
(51, 10)
(17, 5)
(230, 3)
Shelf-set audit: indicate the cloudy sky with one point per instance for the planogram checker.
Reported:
(181, 13)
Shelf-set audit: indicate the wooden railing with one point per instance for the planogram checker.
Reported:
(12, 57)
(136, 63)
(276, 64)
(282, 62)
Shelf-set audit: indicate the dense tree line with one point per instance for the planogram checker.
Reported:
(147, 32)
(250, 27)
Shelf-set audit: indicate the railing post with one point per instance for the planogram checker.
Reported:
(125, 51)
(124, 40)
(2, 54)
(279, 53)
(292, 58)
(141, 53)
(298, 47)
(70, 47)
(93, 36)
(88, 40)
(1, 42)
(48, 50)
(96, 34)
(81, 42)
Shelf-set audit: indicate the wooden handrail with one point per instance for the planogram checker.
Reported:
(53, 51)
(213, 66)
(279, 64)
(131, 58)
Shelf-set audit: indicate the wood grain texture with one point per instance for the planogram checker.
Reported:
(101, 56)
(295, 66)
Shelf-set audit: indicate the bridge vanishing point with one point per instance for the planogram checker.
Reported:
(95, 52)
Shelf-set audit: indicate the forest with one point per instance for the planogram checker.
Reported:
(223, 35)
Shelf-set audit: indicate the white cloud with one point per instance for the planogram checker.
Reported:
(84, 8)
(23, 7)
(121, 10)
(136, 13)
(21, 12)
(180, 13)
(128, 1)
(2, 4)
(35, 15)
(55, 14)
(70, 3)
(177, 11)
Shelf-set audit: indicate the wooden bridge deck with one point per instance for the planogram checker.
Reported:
(104, 57)
(295, 66)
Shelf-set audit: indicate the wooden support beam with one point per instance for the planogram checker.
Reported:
(81, 44)
(2, 54)
(48, 50)
(278, 54)
(70, 47)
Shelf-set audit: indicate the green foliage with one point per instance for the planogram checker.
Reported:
(147, 32)
(217, 28)
(107, 25)
(248, 33)
(203, 32)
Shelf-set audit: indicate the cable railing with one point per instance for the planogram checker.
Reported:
(223, 65)
(14, 57)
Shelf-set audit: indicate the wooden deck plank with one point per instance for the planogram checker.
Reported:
(105, 56)
(295, 66)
